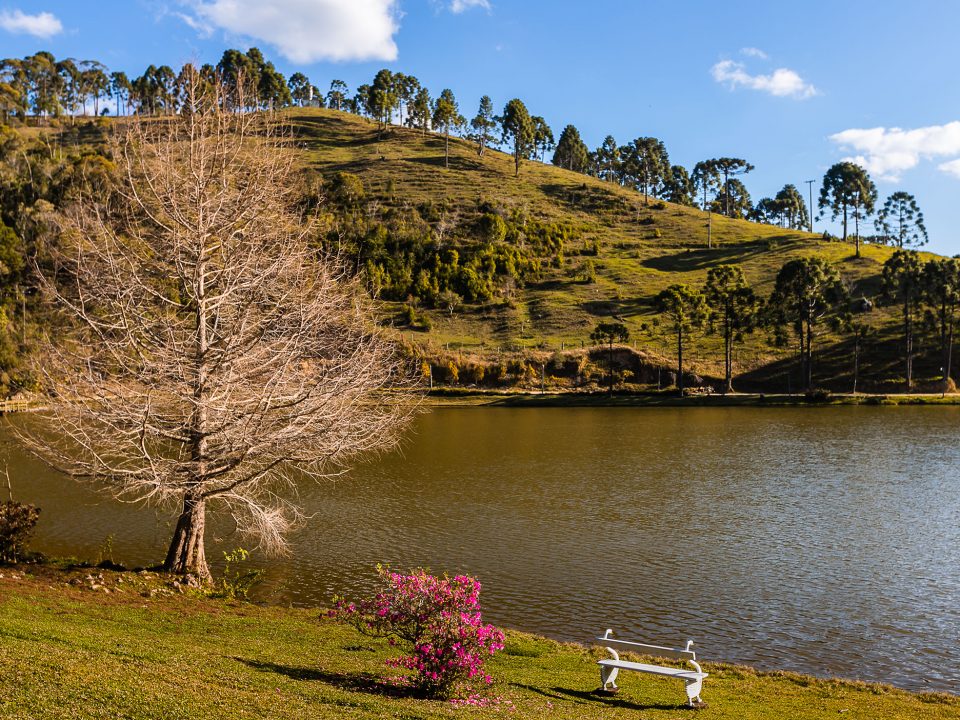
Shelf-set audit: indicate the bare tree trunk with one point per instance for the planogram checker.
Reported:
(186, 554)
(680, 361)
(728, 361)
(856, 223)
(908, 342)
(856, 361)
(610, 364)
(949, 359)
(446, 148)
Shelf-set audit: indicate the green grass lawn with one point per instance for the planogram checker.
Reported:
(118, 651)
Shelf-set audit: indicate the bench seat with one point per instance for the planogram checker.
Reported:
(611, 666)
(654, 669)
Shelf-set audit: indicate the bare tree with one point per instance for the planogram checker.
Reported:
(212, 353)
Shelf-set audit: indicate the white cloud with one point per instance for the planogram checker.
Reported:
(951, 168)
(459, 6)
(41, 25)
(305, 31)
(783, 82)
(754, 52)
(888, 152)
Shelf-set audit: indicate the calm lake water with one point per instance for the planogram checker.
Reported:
(823, 540)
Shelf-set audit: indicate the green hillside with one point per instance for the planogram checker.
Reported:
(640, 248)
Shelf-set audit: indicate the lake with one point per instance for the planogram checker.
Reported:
(821, 540)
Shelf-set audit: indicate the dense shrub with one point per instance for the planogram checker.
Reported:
(17, 523)
(438, 620)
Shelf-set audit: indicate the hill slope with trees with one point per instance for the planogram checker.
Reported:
(482, 267)
(609, 267)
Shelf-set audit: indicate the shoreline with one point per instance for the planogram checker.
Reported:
(137, 644)
(479, 398)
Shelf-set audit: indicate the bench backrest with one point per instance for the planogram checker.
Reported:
(643, 649)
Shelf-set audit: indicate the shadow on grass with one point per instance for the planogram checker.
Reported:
(353, 682)
(596, 697)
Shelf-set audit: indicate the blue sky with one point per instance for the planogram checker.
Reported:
(792, 87)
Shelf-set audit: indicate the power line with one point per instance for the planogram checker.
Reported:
(810, 210)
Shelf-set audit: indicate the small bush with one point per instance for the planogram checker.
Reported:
(439, 621)
(237, 580)
(17, 523)
(817, 395)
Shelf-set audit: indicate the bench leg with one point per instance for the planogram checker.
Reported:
(693, 688)
(608, 675)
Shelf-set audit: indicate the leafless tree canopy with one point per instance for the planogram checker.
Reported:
(212, 348)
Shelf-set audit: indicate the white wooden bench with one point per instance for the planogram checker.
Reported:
(609, 667)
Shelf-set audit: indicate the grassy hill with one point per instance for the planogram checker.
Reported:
(617, 252)
(640, 249)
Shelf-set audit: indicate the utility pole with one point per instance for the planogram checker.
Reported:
(810, 209)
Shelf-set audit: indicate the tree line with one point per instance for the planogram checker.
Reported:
(46, 87)
(810, 297)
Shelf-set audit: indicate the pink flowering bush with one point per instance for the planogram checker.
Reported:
(437, 618)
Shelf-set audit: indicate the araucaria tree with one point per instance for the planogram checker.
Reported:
(571, 152)
(728, 168)
(685, 309)
(483, 125)
(900, 221)
(518, 131)
(609, 333)
(446, 117)
(647, 164)
(846, 186)
(941, 287)
(734, 307)
(210, 356)
(805, 292)
(903, 285)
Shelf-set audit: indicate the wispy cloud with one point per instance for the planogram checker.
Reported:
(951, 168)
(782, 82)
(305, 31)
(754, 53)
(888, 152)
(459, 6)
(41, 25)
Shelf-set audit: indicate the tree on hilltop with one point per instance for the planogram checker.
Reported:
(900, 221)
(792, 207)
(419, 112)
(338, 94)
(571, 152)
(483, 124)
(446, 117)
(542, 138)
(646, 161)
(678, 187)
(518, 131)
(847, 186)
